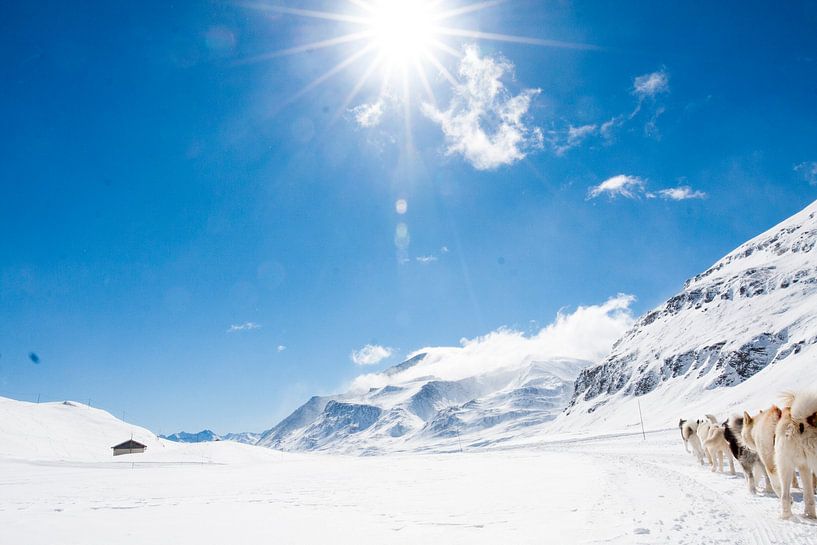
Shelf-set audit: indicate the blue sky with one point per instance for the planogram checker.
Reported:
(162, 180)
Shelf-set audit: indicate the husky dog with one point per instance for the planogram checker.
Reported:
(702, 430)
(748, 458)
(689, 429)
(758, 434)
(718, 448)
(795, 447)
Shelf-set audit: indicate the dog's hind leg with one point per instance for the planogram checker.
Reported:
(808, 491)
(749, 471)
(785, 472)
(767, 489)
(731, 463)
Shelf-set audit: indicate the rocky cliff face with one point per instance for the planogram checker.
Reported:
(754, 308)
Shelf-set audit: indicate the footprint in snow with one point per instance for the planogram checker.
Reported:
(641, 531)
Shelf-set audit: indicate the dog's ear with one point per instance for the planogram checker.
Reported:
(775, 409)
(747, 419)
(681, 422)
(812, 420)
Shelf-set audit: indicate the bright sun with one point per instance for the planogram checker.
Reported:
(399, 38)
(403, 30)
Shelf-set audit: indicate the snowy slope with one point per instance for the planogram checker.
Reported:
(63, 431)
(736, 335)
(411, 410)
(72, 432)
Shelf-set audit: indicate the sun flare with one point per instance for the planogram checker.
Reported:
(411, 41)
(403, 30)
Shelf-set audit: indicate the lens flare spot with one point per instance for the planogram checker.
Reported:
(402, 239)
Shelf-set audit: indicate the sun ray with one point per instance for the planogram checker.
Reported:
(331, 42)
(470, 8)
(407, 111)
(362, 4)
(492, 36)
(358, 86)
(446, 48)
(443, 70)
(314, 14)
(331, 72)
(421, 73)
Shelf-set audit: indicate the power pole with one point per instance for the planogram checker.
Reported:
(643, 435)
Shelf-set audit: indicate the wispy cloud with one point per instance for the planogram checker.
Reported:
(587, 333)
(634, 187)
(575, 136)
(808, 170)
(645, 88)
(485, 123)
(621, 185)
(650, 85)
(681, 193)
(281, 348)
(246, 326)
(371, 354)
(369, 115)
(426, 259)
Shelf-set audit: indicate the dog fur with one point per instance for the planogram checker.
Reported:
(746, 457)
(689, 429)
(795, 448)
(758, 434)
(702, 431)
(718, 448)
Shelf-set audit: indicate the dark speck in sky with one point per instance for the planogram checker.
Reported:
(34, 357)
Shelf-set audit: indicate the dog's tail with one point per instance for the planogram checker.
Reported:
(803, 406)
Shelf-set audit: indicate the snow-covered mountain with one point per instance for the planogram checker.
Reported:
(733, 338)
(736, 334)
(245, 437)
(415, 411)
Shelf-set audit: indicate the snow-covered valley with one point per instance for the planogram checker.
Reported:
(618, 489)
(509, 438)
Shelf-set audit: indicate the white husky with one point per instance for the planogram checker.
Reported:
(718, 448)
(689, 433)
(795, 447)
(702, 431)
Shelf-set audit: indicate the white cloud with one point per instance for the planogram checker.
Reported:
(369, 115)
(575, 136)
(483, 122)
(281, 348)
(681, 193)
(587, 333)
(246, 326)
(650, 85)
(371, 354)
(633, 187)
(808, 170)
(622, 185)
(444, 250)
(425, 259)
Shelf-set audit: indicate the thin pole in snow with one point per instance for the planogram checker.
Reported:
(38, 399)
(457, 428)
(644, 435)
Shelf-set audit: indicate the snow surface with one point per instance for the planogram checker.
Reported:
(560, 490)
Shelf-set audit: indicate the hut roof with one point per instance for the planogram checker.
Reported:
(129, 444)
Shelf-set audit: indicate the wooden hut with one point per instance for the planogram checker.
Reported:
(129, 447)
